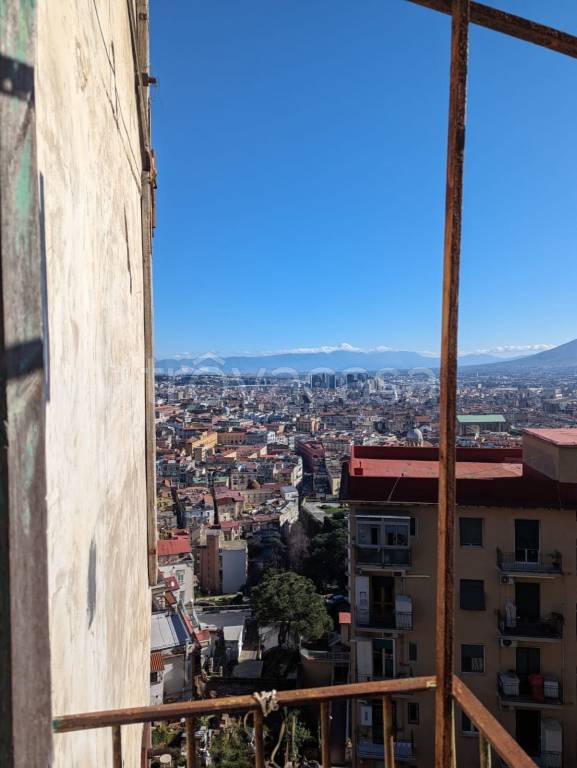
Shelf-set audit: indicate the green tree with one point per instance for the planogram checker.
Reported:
(327, 554)
(291, 603)
(229, 748)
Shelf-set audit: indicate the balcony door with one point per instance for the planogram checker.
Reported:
(527, 601)
(528, 662)
(382, 600)
(528, 730)
(527, 541)
(383, 659)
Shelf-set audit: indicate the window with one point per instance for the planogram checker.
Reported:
(467, 727)
(369, 535)
(413, 652)
(473, 658)
(527, 541)
(413, 526)
(472, 595)
(471, 531)
(396, 535)
(180, 577)
(413, 714)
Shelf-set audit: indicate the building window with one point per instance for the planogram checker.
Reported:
(471, 531)
(413, 714)
(369, 535)
(180, 577)
(413, 652)
(472, 595)
(467, 727)
(413, 526)
(527, 541)
(473, 658)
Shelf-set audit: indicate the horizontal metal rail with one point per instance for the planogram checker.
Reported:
(509, 24)
(301, 697)
(493, 735)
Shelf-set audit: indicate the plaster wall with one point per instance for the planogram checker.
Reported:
(90, 169)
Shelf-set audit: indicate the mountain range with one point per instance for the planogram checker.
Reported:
(564, 356)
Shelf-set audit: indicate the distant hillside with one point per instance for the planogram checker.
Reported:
(305, 362)
(563, 356)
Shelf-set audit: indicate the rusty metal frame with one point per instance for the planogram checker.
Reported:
(444, 740)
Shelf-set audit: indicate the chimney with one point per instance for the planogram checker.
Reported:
(551, 452)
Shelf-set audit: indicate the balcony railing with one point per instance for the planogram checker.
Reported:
(396, 620)
(404, 749)
(529, 561)
(384, 557)
(335, 657)
(491, 732)
(547, 627)
(526, 690)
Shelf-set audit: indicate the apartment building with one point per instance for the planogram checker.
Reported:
(515, 594)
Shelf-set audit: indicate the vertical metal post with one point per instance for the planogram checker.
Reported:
(388, 737)
(325, 734)
(484, 752)
(448, 408)
(259, 738)
(116, 747)
(190, 743)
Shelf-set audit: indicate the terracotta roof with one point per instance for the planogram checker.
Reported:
(170, 598)
(167, 547)
(156, 662)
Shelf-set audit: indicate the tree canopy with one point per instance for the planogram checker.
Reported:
(327, 554)
(290, 602)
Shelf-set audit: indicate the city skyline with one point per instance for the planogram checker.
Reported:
(301, 190)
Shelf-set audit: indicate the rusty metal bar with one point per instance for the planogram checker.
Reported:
(484, 752)
(325, 735)
(259, 738)
(190, 742)
(116, 747)
(489, 727)
(301, 697)
(388, 737)
(448, 397)
(514, 26)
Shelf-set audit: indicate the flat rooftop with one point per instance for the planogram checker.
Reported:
(485, 476)
(566, 436)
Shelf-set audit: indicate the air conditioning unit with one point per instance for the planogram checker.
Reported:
(506, 642)
(507, 580)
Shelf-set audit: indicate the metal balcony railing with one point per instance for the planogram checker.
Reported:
(529, 561)
(399, 620)
(404, 749)
(545, 627)
(524, 691)
(492, 735)
(384, 557)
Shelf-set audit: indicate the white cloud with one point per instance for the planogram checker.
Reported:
(506, 350)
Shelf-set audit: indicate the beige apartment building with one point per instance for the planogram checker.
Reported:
(515, 592)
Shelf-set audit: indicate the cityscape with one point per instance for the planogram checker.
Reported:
(328, 476)
(341, 530)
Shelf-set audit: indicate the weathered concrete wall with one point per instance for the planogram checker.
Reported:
(90, 165)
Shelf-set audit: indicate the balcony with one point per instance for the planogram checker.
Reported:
(404, 749)
(493, 737)
(394, 558)
(529, 691)
(395, 621)
(547, 628)
(340, 657)
(529, 561)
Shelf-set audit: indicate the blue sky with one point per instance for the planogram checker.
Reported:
(301, 151)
